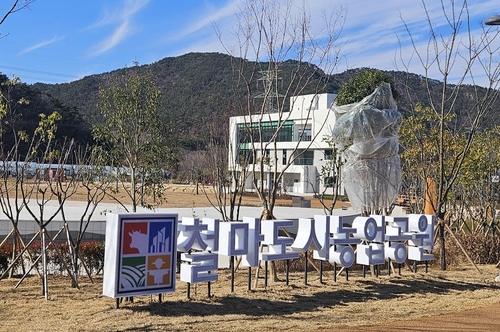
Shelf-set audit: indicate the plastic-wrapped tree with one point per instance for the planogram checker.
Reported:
(368, 133)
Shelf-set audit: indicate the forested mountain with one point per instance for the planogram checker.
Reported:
(198, 89)
(27, 114)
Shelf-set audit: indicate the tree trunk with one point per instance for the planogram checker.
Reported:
(442, 250)
(45, 290)
(132, 189)
(267, 215)
(15, 245)
(73, 252)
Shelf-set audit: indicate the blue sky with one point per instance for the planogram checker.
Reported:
(57, 41)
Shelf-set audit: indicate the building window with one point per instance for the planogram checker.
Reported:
(304, 158)
(328, 154)
(286, 132)
(284, 158)
(306, 134)
(252, 132)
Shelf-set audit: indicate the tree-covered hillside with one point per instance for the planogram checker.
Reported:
(27, 104)
(196, 89)
(199, 88)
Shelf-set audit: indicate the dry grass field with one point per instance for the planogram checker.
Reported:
(186, 196)
(460, 299)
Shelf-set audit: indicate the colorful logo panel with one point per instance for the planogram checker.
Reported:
(147, 255)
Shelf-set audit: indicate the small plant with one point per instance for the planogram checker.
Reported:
(362, 84)
(92, 254)
(5, 255)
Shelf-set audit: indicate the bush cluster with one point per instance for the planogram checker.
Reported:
(481, 248)
(5, 255)
(362, 84)
(91, 253)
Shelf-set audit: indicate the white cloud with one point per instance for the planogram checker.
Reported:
(228, 11)
(375, 34)
(41, 44)
(122, 19)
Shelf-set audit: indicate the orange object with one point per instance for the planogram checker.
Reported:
(430, 197)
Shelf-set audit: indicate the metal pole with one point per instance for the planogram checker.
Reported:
(232, 274)
(320, 272)
(265, 275)
(249, 278)
(287, 268)
(305, 268)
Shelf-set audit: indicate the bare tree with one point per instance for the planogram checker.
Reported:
(330, 176)
(44, 186)
(13, 171)
(15, 7)
(225, 186)
(460, 56)
(291, 59)
(37, 194)
(87, 172)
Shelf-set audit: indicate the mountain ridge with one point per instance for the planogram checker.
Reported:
(198, 88)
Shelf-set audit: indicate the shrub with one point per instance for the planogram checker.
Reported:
(481, 248)
(92, 254)
(5, 255)
(362, 84)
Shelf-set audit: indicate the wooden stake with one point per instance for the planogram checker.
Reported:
(461, 247)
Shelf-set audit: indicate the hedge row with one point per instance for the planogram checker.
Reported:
(481, 248)
(91, 253)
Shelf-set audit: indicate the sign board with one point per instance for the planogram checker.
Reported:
(140, 254)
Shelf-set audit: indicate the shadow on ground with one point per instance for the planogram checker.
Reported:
(251, 305)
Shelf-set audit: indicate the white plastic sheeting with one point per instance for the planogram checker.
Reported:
(368, 132)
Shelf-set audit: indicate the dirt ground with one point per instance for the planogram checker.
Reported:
(459, 299)
(182, 196)
(455, 300)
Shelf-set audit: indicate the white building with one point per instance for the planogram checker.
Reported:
(310, 116)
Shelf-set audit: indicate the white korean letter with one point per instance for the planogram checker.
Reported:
(306, 236)
(254, 238)
(198, 267)
(190, 235)
(277, 245)
(233, 238)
